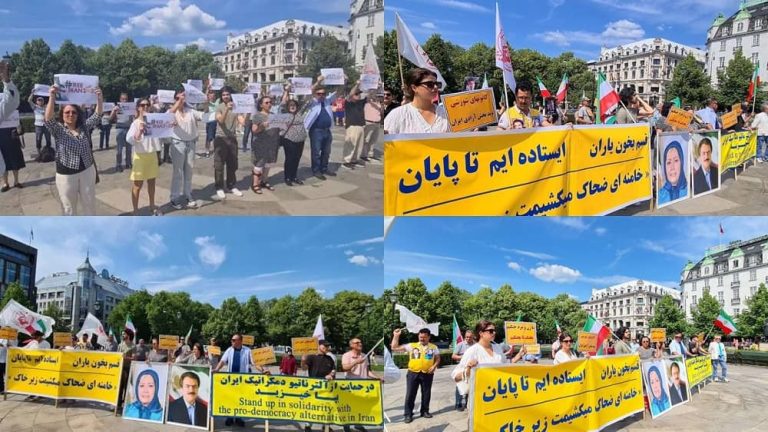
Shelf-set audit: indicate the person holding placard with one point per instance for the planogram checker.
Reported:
(292, 140)
(677, 347)
(419, 115)
(123, 120)
(194, 357)
(320, 365)
(354, 137)
(10, 98)
(37, 103)
(373, 117)
(521, 115)
(288, 363)
(708, 115)
(213, 358)
(183, 147)
(264, 145)
(225, 146)
(210, 126)
(318, 122)
(106, 129)
(645, 351)
(156, 354)
(144, 162)
(760, 123)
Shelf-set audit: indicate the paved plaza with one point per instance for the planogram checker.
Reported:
(357, 191)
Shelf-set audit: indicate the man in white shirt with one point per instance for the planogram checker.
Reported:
(719, 356)
(709, 115)
(760, 123)
(9, 100)
(4, 345)
(38, 342)
(677, 347)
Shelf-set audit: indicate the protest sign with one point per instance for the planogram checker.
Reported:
(9, 333)
(369, 82)
(302, 399)
(83, 375)
(587, 342)
(658, 335)
(304, 345)
(193, 95)
(679, 118)
(665, 384)
(128, 108)
(737, 148)
(275, 90)
(533, 349)
(160, 125)
(169, 342)
(263, 356)
(470, 110)
(729, 119)
(520, 333)
(146, 392)
(248, 340)
(301, 86)
(280, 121)
(217, 83)
(62, 339)
(76, 89)
(698, 368)
(579, 395)
(166, 96)
(679, 390)
(583, 171)
(13, 120)
(243, 103)
(198, 84)
(736, 108)
(213, 349)
(180, 379)
(332, 76)
(253, 88)
(370, 76)
(107, 107)
(41, 90)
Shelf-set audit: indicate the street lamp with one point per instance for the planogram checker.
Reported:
(393, 302)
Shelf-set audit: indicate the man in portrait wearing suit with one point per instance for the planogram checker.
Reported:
(188, 409)
(678, 389)
(705, 178)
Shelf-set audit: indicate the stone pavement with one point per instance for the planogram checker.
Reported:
(352, 192)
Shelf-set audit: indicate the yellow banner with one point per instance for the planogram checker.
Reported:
(737, 109)
(585, 171)
(580, 395)
(304, 345)
(313, 400)
(9, 333)
(169, 342)
(738, 148)
(698, 368)
(248, 340)
(658, 335)
(84, 375)
(469, 110)
(263, 356)
(679, 118)
(520, 333)
(62, 339)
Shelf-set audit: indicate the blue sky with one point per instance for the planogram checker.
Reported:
(555, 26)
(169, 23)
(215, 258)
(550, 256)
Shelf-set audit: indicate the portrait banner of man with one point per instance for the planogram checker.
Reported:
(679, 391)
(705, 162)
(673, 178)
(146, 392)
(189, 396)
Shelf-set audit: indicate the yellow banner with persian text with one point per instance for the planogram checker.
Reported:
(738, 148)
(584, 171)
(84, 375)
(469, 110)
(699, 368)
(301, 399)
(583, 395)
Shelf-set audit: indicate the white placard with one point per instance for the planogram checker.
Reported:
(275, 90)
(198, 84)
(166, 96)
(128, 108)
(160, 125)
(244, 103)
(369, 82)
(41, 90)
(107, 107)
(193, 95)
(76, 89)
(253, 88)
(301, 86)
(217, 83)
(333, 76)
(280, 121)
(12, 121)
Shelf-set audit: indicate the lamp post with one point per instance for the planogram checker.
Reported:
(393, 302)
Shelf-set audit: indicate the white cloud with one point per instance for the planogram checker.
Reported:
(363, 242)
(537, 255)
(665, 250)
(202, 43)
(151, 244)
(348, 252)
(463, 5)
(363, 260)
(616, 33)
(171, 19)
(555, 273)
(5, 11)
(619, 255)
(600, 231)
(429, 25)
(423, 256)
(173, 284)
(515, 266)
(623, 30)
(210, 253)
(575, 223)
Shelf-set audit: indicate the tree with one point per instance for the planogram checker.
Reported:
(447, 300)
(329, 52)
(386, 52)
(32, 64)
(443, 54)
(254, 317)
(733, 83)
(413, 294)
(54, 312)
(173, 313)
(704, 314)
(568, 313)
(668, 315)
(13, 291)
(348, 315)
(751, 321)
(134, 305)
(690, 83)
(279, 318)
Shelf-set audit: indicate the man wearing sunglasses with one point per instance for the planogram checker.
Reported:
(388, 104)
(424, 359)
(318, 123)
(237, 358)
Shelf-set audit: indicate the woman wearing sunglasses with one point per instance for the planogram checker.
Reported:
(485, 351)
(566, 352)
(421, 115)
(145, 164)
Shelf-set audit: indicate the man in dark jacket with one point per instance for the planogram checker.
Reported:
(188, 409)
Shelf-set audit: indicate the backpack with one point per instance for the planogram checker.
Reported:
(47, 154)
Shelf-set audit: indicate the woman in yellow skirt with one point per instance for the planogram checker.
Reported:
(145, 165)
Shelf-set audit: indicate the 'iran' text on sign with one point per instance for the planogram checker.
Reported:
(658, 335)
(470, 110)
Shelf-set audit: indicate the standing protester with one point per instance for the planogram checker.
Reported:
(388, 104)
(75, 168)
(339, 110)
(128, 350)
(318, 122)
(193, 357)
(13, 155)
(264, 146)
(522, 115)
(623, 345)
(141, 351)
(10, 98)
(210, 125)
(292, 140)
(123, 120)
(111, 345)
(760, 123)
(584, 115)
(237, 358)
(647, 352)
(424, 359)
(288, 363)
(633, 108)
(183, 147)
(677, 347)
(38, 107)
(213, 358)
(566, 353)
(106, 129)
(719, 358)
(4, 345)
(156, 354)
(84, 344)
(373, 119)
(458, 353)
(145, 164)
(248, 126)
(320, 365)
(354, 123)
(419, 114)
(708, 115)
(356, 365)
(225, 146)
(694, 346)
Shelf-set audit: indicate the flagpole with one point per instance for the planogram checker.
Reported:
(754, 91)
(506, 98)
(399, 57)
(375, 346)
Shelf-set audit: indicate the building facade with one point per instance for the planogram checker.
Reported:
(79, 293)
(630, 304)
(274, 53)
(366, 24)
(746, 31)
(17, 264)
(731, 273)
(647, 65)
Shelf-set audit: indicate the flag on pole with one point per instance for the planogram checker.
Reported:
(607, 100)
(543, 90)
(414, 323)
(754, 83)
(725, 323)
(485, 81)
(677, 102)
(411, 50)
(557, 326)
(189, 334)
(24, 320)
(503, 57)
(519, 316)
(129, 326)
(391, 371)
(456, 339)
(562, 91)
(92, 326)
(319, 333)
(596, 327)
(111, 333)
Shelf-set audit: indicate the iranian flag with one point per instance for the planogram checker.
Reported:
(594, 326)
(543, 90)
(607, 100)
(754, 84)
(557, 326)
(562, 91)
(24, 320)
(129, 326)
(725, 323)
(456, 339)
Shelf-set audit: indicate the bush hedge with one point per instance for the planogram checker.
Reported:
(757, 358)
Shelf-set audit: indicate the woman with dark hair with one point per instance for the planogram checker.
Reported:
(632, 108)
(622, 346)
(421, 115)
(646, 351)
(566, 352)
(657, 399)
(145, 160)
(264, 145)
(146, 405)
(292, 140)
(196, 356)
(76, 172)
(673, 166)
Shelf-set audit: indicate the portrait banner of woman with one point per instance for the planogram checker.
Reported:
(679, 392)
(672, 177)
(146, 392)
(656, 387)
(705, 162)
(189, 395)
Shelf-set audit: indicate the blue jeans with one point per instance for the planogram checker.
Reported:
(247, 132)
(123, 143)
(40, 132)
(104, 138)
(762, 147)
(723, 368)
(461, 401)
(320, 144)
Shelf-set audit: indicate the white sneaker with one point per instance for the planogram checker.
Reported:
(192, 204)
(724, 380)
(220, 194)
(236, 192)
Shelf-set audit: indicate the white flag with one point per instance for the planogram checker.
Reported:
(92, 326)
(503, 58)
(24, 320)
(319, 333)
(414, 323)
(391, 371)
(410, 49)
(369, 79)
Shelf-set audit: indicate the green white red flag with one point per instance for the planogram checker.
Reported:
(542, 89)
(754, 84)
(596, 327)
(725, 323)
(456, 339)
(562, 91)
(607, 101)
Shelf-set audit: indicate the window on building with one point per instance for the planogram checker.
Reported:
(722, 62)
(693, 300)
(272, 60)
(720, 296)
(693, 284)
(735, 311)
(369, 39)
(633, 74)
(754, 58)
(756, 40)
(289, 45)
(11, 272)
(735, 263)
(736, 277)
(706, 270)
(263, 61)
(370, 20)
(752, 290)
(752, 275)
(657, 62)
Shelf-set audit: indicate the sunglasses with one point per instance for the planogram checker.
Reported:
(235, 340)
(567, 340)
(493, 330)
(319, 94)
(70, 112)
(431, 84)
(144, 104)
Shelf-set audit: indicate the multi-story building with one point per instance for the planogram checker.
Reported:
(17, 264)
(366, 24)
(79, 293)
(731, 273)
(630, 304)
(274, 53)
(647, 65)
(746, 31)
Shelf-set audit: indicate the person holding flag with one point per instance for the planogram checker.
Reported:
(424, 359)
(719, 357)
(760, 123)
(461, 345)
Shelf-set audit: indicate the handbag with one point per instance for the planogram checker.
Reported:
(93, 157)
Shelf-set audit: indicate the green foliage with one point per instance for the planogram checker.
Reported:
(233, 317)
(328, 52)
(174, 312)
(54, 312)
(386, 52)
(751, 321)
(351, 314)
(669, 316)
(733, 82)
(447, 300)
(13, 291)
(704, 313)
(690, 83)
(136, 306)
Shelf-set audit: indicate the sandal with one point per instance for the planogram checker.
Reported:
(157, 212)
(266, 185)
(256, 189)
